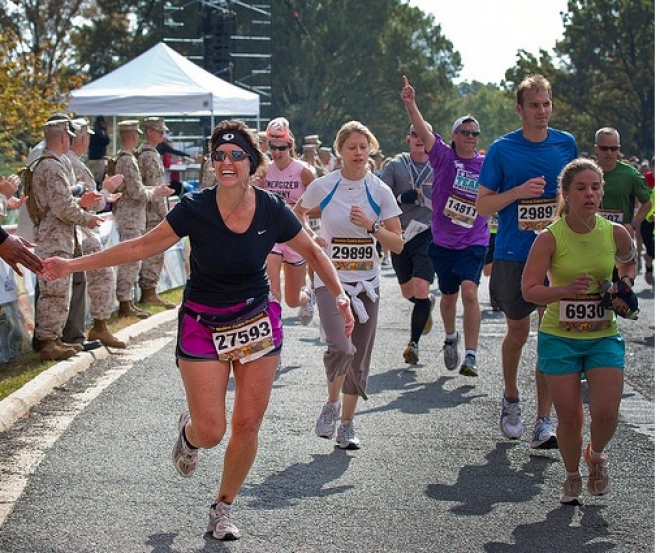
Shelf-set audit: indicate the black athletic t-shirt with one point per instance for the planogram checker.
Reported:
(227, 267)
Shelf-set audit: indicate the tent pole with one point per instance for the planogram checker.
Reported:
(114, 134)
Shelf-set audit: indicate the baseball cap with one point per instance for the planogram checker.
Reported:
(464, 119)
(278, 129)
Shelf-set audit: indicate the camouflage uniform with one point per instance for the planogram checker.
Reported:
(100, 282)
(54, 235)
(152, 172)
(131, 219)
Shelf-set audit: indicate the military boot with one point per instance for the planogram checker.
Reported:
(127, 309)
(100, 331)
(149, 297)
(54, 350)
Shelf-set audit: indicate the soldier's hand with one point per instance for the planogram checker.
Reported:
(9, 185)
(14, 250)
(112, 183)
(163, 190)
(94, 222)
(15, 203)
(88, 199)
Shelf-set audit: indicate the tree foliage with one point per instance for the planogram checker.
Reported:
(351, 68)
(604, 73)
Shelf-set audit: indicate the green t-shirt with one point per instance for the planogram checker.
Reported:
(623, 184)
(593, 253)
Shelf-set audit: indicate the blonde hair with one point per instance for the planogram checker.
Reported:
(567, 176)
(355, 126)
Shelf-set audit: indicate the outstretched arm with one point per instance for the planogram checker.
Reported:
(155, 241)
(416, 118)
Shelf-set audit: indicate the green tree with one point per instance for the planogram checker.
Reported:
(345, 67)
(604, 72)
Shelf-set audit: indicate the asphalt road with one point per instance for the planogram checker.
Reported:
(88, 468)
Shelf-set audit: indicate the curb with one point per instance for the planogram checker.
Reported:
(16, 405)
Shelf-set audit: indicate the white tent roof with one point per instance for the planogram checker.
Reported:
(162, 82)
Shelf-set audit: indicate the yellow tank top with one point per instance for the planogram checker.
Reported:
(592, 253)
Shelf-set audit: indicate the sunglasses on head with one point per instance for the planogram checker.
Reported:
(279, 148)
(463, 132)
(609, 148)
(234, 155)
(413, 134)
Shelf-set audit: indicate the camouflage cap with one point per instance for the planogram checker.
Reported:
(82, 124)
(156, 123)
(59, 125)
(129, 125)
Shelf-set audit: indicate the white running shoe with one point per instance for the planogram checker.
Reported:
(183, 457)
(511, 419)
(346, 436)
(220, 524)
(306, 310)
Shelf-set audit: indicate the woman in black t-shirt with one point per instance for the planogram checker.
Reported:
(228, 319)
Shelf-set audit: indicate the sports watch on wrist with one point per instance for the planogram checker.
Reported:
(375, 228)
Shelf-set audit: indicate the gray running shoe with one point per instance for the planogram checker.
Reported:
(183, 457)
(450, 352)
(544, 436)
(327, 421)
(220, 524)
(411, 354)
(346, 436)
(469, 366)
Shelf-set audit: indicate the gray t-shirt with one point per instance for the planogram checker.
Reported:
(403, 174)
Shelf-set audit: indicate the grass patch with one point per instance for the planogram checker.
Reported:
(18, 371)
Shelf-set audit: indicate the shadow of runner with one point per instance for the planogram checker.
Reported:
(479, 488)
(566, 529)
(417, 398)
(301, 480)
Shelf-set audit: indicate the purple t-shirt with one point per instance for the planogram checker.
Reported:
(456, 224)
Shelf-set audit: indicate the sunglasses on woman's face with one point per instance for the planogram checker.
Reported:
(234, 155)
(463, 132)
(279, 148)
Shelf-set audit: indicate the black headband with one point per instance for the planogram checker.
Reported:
(233, 137)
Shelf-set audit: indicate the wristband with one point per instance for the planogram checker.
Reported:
(632, 280)
(340, 297)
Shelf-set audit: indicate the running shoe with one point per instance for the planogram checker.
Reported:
(220, 524)
(429, 322)
(571, 491)
(411, 354)
(599, 480)
(327, 421)
(346, 436)
(306, 310)
(184, 457)
(511, 419)
(543, 436)
(450, 352)
(469, 366)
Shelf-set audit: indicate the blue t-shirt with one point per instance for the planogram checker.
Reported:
(512, 160)
(226, 267)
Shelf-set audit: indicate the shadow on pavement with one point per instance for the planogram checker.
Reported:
(479, 488)
(566, 529)
(300, 480)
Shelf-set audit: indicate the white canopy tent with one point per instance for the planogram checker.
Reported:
(162, 82)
